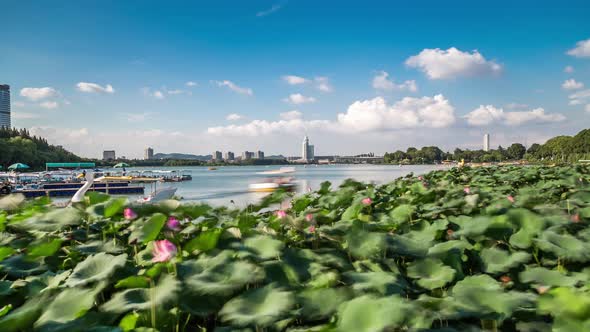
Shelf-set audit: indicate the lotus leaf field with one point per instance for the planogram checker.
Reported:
(466, 249)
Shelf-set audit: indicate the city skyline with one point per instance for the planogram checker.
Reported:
(189, 83)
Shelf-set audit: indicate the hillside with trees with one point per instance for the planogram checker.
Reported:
(18, 146)
(559, 148)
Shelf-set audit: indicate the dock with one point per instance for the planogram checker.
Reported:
(65, 190)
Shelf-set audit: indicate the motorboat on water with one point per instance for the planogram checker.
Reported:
(158, 196)
(274, 180)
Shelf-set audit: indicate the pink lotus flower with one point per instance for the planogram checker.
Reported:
(367, 201)
(129, 214)
(173, 224)
(281, 214)
(163, 251)
(576, 218)
(511, 199)
(420, 178)
(312, 229)
(467, 190)
(543, 289)
(309, 217)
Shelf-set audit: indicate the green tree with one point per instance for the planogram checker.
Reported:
(516, 151)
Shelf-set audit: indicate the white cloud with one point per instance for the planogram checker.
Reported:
(323, 84)
(138, 117)
(376, 114)
(269, 11)
(233, 117)
(232, 86)
(571, 84)
(35, 94)
(175, 92)
(579, 97)
(18, 104)
(568, 69)
(158, 94)
(582, 49)
(49, 105)
(294, 80)
(361, 116)
(297, 99)
(488, 114)
(94, 88)
(452, 63)
(381, 81)
(291, 115)
(191, 84)
(24, 115)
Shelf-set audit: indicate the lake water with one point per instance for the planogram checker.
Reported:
(230, 183)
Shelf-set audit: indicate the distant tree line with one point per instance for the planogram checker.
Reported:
(560, 148)
(18, 146)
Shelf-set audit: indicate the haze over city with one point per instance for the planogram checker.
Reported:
(376, 76)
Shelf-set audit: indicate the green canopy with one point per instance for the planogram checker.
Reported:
(69, 165)
(18, 166)
(121, 165)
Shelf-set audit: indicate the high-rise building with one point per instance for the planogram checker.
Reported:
(247, 155)
(217, 155)
(259, 155)
(5, 106)
(109, 155)
(229, 156)
(307, 150)
(148, 154)
(486, 142)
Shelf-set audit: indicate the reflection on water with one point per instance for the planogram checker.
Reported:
(230, 183)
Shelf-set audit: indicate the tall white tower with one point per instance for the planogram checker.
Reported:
(305, 148)
(486, 142)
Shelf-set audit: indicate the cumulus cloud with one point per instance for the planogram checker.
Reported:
(452, 63)
(579, 97)
(381, 81)
(516, 106)
(488, 114)
(191, 84)
(291, 115)
(294, 80)
(297, 99)
(361, 116)
(376, 114)
(233, 117)
(234, 87)
(571, 84)
(49, 105)
(157, 94)
(323, 84)
(568, 69)
(35, 94)
(94, 88)
(582, 49)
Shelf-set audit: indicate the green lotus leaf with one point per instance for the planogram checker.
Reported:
(530, 224)
(564, 246)
(94, 268)
(23, 317)
(497, 261)
(369, 314)
(133, 282)
(260, 307)
(53, 220)
(45, 247)
(402, 213)
(205, 241)
(363, 244)
(114, 206)
(483, 297)
(95, 247)
(566, 303)
(265, 246)
(546, 277)
(165, 292)
(20, 266)
(384, 283)
(321, 303)
(431, 273)
(148, 230)
(218, 277)
(404, 246)
(68, 305)
(5, 252)
(352, 212)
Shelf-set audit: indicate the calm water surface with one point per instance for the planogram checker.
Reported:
(230, 183)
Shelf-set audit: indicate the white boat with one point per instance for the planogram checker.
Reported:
(275, 181)
(158, 195)
(271, 186)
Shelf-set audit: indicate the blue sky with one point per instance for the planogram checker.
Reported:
(379, 64)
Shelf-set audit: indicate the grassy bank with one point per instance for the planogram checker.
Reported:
(498, 248)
